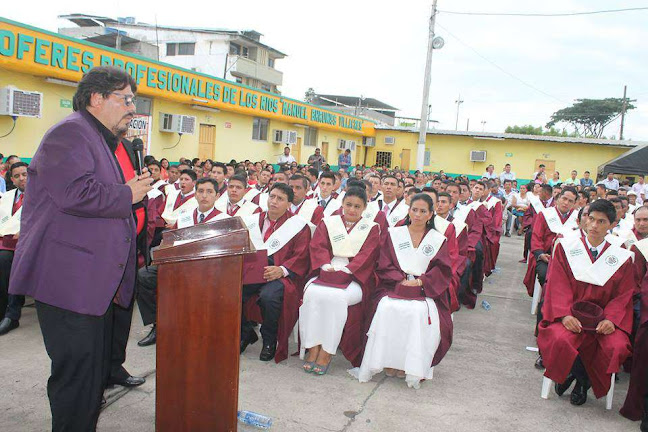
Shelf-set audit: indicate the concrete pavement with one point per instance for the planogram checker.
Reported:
(487, 381)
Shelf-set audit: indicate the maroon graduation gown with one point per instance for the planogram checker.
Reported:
(638, 387)
(436, 282)
(602, 355)
(295, 257)
(362, 267)
(542, 239)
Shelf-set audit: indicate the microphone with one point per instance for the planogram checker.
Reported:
(138, 148)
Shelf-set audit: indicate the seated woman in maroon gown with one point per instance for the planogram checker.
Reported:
(343, 251)
(411, 330)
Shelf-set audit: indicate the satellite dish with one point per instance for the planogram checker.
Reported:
(438, 42)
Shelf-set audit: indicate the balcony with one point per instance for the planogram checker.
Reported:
(243, 67)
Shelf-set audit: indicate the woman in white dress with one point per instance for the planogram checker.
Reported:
(343, 251)
(411, 330)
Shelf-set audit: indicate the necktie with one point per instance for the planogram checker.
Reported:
(270, 230)
(17, 204)
(231, 209)
(385, 209)
(594, 252)
(201, 218)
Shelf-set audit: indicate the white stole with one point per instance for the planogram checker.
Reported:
(534, 200)
(251, 194)
(552, 217)
(278, 239)
(398, 213)
(170, 215)
(156, 192)
(9, 224)
(245, 207)
(186, 218)
(332, 206)
(372, 210)
(415, 261)
(598, 272)
(347, 244)
(491, 202)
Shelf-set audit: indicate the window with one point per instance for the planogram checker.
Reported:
(245, 52)
(271, 62)
(266, 87)
(310, 137)
(184, 48)
(260, 129)
(384, 159)
(239, 80)
(143, 105)
(235, 49)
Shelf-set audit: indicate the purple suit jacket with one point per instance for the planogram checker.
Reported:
(77, 232)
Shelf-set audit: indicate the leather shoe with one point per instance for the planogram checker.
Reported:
(562, 388)
(579, 394)
(539, 364)
(268, 352)
(7, 324)
(150, 339)
(129, 381)
(249, 340)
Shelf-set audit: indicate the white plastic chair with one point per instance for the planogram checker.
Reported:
(546, 388)
(537, 292)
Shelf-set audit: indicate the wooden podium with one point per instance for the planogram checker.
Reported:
(198, 326)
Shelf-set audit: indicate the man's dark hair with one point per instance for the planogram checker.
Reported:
(386, 176)
(148, 158)
(479, 182)
(604, 206)
(240, 178)
(430, 190)
(545, 187)
(220, 165)
(190, 173)
(283, 187)
(207, 180)
(612, 192)
(301, 178)
(103, 80)
(328, 175)
(444, 194)
(586, 172)
(508, 181)
(570, 189)
(313, 172)
(156, 163)
(453, 184)
(585, 195)
(601, 185)
(368, 185)
(17, 165)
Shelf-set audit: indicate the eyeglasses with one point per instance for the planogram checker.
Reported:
(128, 100)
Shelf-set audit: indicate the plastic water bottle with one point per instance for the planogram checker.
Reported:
(486, 305)
(254, 419)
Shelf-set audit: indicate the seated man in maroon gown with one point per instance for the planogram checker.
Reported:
(587, 272)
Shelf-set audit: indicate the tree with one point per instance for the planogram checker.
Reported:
(589, 117)
(309, 96)
(532, 130)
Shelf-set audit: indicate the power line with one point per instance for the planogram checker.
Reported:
(563, 14)
(501, 69)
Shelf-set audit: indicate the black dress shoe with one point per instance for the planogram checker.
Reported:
(7, 324)
(130, 381)
(249, 340)
(562, 388)
(268, 352)
(539, 364)
(150, 339)
(579, 394)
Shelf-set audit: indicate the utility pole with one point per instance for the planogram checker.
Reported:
(420, 153)
(623, 111)
(459, 101)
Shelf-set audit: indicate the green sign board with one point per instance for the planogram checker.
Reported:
(65, 103)
(509, 155)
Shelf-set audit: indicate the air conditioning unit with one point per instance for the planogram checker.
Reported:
(176, 123)
(277, 136)
(342, 144)
(369, 141)
(351, 145)
(478, 156)
(390, 140)
(21, 103)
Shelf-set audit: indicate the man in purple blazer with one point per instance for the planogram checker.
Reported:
(76, 254)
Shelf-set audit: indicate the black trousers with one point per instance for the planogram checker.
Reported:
(478, 267)
(80, 347)
(464, 286)
(122, 319)
(270, 301)
(527, 242)
(6, 259)
(147, 293)
(541, 271)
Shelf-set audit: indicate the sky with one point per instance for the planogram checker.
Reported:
(508, 70)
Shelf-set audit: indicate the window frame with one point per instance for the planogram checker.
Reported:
(260, 127)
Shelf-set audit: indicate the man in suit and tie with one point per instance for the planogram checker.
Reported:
(77, 254)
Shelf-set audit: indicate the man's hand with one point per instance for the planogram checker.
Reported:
(605, 327)
(572, 324)
(413, 282)
(16, 236)
(544, 257)
(140, 185)
(271, 273)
